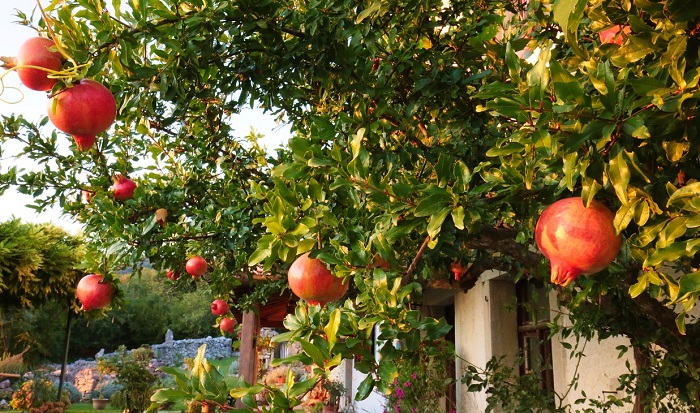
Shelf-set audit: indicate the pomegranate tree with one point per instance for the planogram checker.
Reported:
(311, 280)
(196, 266)
(94, 292)
(84, 110)
(576, 240)
(37, 52)
(123, 188)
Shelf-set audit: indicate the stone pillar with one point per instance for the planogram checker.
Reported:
(248, 360)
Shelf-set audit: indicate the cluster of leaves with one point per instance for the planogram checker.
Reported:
(421, 138)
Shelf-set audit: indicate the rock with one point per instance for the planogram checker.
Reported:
(100, 353)
(5, 384)
(169, 336)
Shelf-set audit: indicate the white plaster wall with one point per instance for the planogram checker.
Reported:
(471, 341)
(597, 371)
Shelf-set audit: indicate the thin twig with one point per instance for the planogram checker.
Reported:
(412, 268)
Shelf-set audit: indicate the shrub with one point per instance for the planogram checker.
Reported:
(133, 374)
(74, 395)
(107, 388)
(37, 396)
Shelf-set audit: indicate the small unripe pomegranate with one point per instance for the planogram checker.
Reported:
(310, 279)
(123, 188)
(94, 292)
(576, 240)
(196, 266)
(35, 52)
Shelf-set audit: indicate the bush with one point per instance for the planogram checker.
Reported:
(107, 388)
(37, 396)
(74, 395)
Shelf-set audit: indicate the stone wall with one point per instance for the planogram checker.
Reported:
(173, 352)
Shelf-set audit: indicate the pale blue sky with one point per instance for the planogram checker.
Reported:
(33, 107)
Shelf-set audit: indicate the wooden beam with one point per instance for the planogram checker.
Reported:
(248, 360)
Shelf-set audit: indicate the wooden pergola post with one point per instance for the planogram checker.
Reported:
(248, 360)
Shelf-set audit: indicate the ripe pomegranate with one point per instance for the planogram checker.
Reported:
(457, 269)
(123, 188)
(196, 266)
(94, 292)
(310, 279)
(227, 324)
(85, 109)
(219, 307)
(173, 275)
(35, 52)
(577, 240)
(614, 34)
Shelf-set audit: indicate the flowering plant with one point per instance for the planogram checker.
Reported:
(422, 381)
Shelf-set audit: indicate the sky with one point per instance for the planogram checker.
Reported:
(33, 107)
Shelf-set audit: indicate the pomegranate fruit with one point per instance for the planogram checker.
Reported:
(310, 279)
(172, 275)
(36, 52)
(123, 188)
(614, 34)
(227, 324)
(576, 240)
(196, 266)
(85, 109)
(94, 292)
(219, 307)
(457, 269)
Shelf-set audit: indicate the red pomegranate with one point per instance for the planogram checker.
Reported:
(576, 240)
(172, 275)
(123, 188)
(94, 292)
(310, 279)
(614, 35)
(36, 52)
(84, 110)
(227, 324)
(219, 307)
(196, 266)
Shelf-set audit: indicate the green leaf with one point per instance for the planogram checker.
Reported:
(688, 284)
(302, 387)
(619, 174)
(432, 204)
(435, 224)
(673, 252)
(687, 191)
(365, 388)
(331, 328)
(373, 8)
(314, 352)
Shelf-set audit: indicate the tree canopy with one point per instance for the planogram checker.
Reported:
(421, 135)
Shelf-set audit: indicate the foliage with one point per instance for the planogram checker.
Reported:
(133, 373)
(420, 137)
(74, 395)
(38, 395)
(422, 380)
(106, 388)
(335, 390)
(38, 263)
